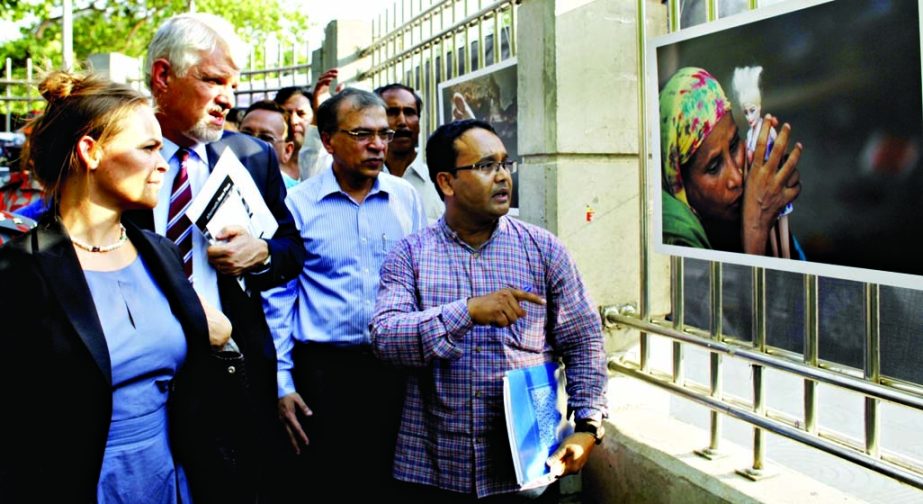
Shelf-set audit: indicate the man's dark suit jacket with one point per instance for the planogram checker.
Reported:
(245, 311)
(56, 374)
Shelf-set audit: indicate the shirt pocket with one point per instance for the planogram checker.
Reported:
(528, 332)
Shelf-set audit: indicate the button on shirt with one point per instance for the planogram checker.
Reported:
(333, 298)
(453, 432)
(204, 276)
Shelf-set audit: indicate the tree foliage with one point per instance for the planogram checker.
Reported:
(126, 26)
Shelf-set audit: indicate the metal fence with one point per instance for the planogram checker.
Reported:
(20, 92)
(702, 288)
(277, 67)
(423, 45)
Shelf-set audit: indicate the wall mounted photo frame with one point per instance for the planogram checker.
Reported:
(846, 76)
(488, 94)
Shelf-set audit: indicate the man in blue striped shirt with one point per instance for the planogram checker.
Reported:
(466, 300)
(332, 390)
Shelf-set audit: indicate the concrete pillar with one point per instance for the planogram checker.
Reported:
(117, 67)
(343, 41)
(579, 139)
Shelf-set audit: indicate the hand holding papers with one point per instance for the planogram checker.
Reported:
(231, 198)
(535, 405)
(228, 209)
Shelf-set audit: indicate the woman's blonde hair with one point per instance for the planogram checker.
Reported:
(77, 105)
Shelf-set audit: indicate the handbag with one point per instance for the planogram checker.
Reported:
(228, 407)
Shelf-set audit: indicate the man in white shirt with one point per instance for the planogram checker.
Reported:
(404, 106)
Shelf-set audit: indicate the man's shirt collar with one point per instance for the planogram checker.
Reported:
(451, 235)
(329, 185)
(417, 167)
(169, 150)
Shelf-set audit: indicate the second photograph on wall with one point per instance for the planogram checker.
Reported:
(488, 94)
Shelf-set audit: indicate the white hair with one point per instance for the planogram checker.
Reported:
(746, 84)
(182, 40)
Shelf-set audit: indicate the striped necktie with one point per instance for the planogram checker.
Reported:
(179, 228)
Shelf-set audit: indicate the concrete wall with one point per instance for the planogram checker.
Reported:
(580, 140)
(579, 137)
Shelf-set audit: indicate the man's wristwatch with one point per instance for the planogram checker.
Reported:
(591, 426)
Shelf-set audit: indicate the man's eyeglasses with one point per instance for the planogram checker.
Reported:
(364, 135)
(490, 167)
(270, 139)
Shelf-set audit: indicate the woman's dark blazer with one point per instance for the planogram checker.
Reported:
(55, 372)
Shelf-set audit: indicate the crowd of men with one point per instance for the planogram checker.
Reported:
(376, 324)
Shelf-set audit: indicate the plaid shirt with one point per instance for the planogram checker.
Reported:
(453, 434)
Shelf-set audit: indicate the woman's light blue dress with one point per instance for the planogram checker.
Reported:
(146, 347)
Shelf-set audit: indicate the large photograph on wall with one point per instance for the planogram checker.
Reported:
(488, 94)
(790, 138)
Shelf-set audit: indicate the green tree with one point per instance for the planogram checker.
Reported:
(126, 26)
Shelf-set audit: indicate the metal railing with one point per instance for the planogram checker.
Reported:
(17, 91)
(421, 47)
(808, 366)
(280, 66)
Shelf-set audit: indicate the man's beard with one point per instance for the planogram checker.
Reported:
(205, 132)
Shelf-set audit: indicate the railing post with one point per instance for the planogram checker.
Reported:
(810, 351)
(872, 367)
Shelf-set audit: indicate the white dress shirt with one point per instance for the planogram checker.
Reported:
(204, 276)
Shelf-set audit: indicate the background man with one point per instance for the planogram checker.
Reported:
(297, 101)
(404, 107)
(313, 157)
(269, 122)
(464, 301)
(349, 217)
(192, 68)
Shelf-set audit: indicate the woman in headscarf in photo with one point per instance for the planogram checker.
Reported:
(708, 202)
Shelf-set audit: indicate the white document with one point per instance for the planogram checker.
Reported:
(230, 198)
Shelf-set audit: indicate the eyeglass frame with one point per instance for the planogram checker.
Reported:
(372, 133)
(265, 138)
(511, 166)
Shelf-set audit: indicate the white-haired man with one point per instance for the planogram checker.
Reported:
(192, 68)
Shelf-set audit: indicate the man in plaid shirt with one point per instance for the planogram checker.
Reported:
(467, 299)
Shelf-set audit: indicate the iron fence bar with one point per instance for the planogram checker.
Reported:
(872, 368)
(18, 99)
(29, 88)
(679, 314)
(467, 32)
(759, 343)
(674, 13)
(17, 82)
(453, 30)
(644, 253)
(282, 68)
(901, 397)
(498, 36)
(513, 6)
(482, 52)
(744, 414)
(716, 323)
(9, 95)
(811, 329)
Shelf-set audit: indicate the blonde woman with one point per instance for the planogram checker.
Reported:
(103, 335)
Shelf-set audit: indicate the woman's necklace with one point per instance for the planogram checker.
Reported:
(103, 248)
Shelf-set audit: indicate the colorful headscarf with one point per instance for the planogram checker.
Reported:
(691, 103)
